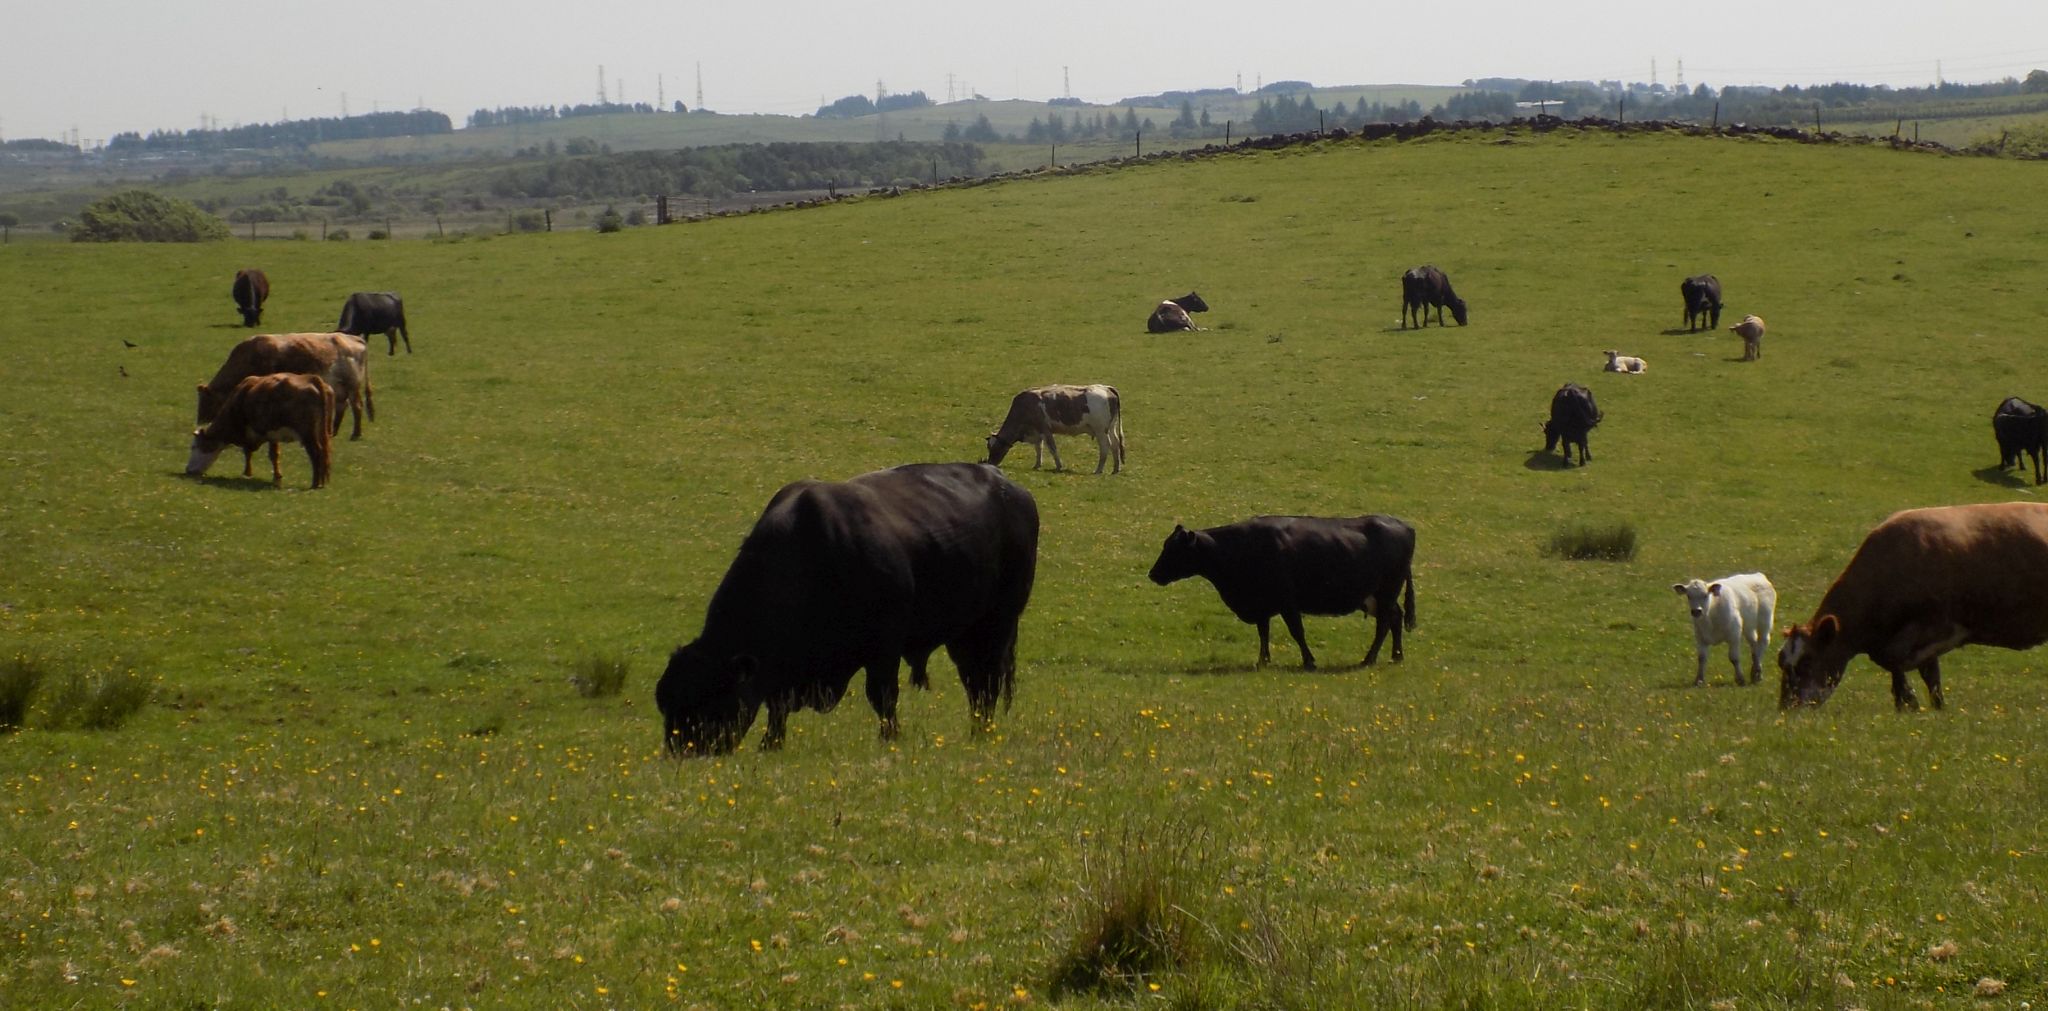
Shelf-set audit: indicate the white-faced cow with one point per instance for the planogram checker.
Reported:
(1751, 330)
(368, 312)
(2021, 428)
(251, 290)
(1736, 610)
(1925, 581)
(1426, 287)
(1172, 314)
(1572, 415)
(342, 360)
(286, 407)
(1038, 414)
(859, 575)
(1702, 295)
(1296, 565)
(1625, 364)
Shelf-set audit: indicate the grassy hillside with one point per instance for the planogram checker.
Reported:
(366, 780)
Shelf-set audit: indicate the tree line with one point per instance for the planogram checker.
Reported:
(861, 105)
(737, 168)
(507, 115)
(297, 133)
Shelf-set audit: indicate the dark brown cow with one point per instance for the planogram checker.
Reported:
(1039, 413)
(1572, 415)
(2021, 428)
(1424, 288)
(368, 312)
(286, 407)
(251, 290)
(1702, 295)
(1925, 581)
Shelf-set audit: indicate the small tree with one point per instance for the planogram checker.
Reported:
(611, 220)
(143, 216)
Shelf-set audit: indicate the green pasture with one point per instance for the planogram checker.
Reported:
(366, 780)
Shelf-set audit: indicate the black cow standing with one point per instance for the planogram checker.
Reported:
(1702, 296)
(1424, 287)
(1172, 314)
(368, 312)
(1296, 565)
(2021, 427)
(1572, 415)
(251, 290)
(859, 574)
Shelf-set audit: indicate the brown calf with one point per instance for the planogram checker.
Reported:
(285, 407)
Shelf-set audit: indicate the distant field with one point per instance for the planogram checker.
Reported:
(366, 780)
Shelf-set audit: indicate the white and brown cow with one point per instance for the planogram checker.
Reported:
(342, 360)
(1925, 581)
(285, 407)
(1751, 330)
(1038, 414)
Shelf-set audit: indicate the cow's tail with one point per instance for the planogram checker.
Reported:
(1116, 423)
(1408, 601)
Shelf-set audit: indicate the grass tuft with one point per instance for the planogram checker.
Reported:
(19, 678)
(99, 698)
(1614, 542)
(1133, 924)
(597, 677)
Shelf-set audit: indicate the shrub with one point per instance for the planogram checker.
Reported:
(338, 235)
(98, 699)
(143, 216)
(636, 217)
(378, 234)
(19, 678)
(610, 220)
(1614, 542)
(599, 676)
(1134, 924)
(529, 221)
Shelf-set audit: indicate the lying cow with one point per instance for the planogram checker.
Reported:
(1736, 610)
(368, 312)
(1296, 565)
(251, 290)
(1629, 364)
(1038, 414)
(1751, 330)
(342, 360)
(1572, 415)
(1925, 581)
(1172, 314)
(286, 407)
(1426, 287)
(2021, 428)
(859, 575)
(1702, 295)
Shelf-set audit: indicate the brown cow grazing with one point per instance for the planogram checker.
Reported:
(251, 290)
(1038, 414)
(1172, 314)
(1751, 330)
(1924, 582)
(342, 360)
(286, 407)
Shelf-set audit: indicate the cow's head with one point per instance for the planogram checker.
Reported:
(1809, 664)
(1180, 558)
(204, 452)
(705, 700)
(1192, 302)
(1550, 436)
(998, 447)
(1457, 310)
(1697, 595)
(209, 403)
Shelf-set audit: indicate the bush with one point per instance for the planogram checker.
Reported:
(599, 676)
(529, 221)
(100, 699)
(338, 235)
(610, 220)
(378, 234)
(636, 217)
(1615, 542)
(19, 678)
(143, 216)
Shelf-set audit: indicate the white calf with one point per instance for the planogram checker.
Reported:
(1736, 610)
(1618, 362)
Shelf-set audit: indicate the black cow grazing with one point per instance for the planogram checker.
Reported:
(1296, 565)
(1172, 314)
(251, 290)
(1572, 415)
(1424, 287)
(860, 574)
(2021, 427)
(368, 312)
(1702, 296)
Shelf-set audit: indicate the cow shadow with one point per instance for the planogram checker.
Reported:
(2001, 477)
(1547, 459)
(1679, 331)
(235, 483)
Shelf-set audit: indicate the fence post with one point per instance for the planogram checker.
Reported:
(1138, 139)
(1055, 156)
(935, 170)
(547, 214)
(438, 230)
(1816, 119)
(1621, 110)
(1226, 133)
(1717, 115)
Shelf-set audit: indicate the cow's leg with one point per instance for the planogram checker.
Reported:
(1101, 450)
(1378, 614)
(1038, 455)
(355, 408)
(1735, 657)
(1902, 693)
(1759, 641)
(918, 677)
(1930, 673)
(778, 723)
(882, 694)
(1293, 620)
(248, 463)
(1699, 676)
(276, 472)
(986, 656)
(1053, 448)
(1265, 635)
(407, 335)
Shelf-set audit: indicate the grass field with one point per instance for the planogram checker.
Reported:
(366, 779)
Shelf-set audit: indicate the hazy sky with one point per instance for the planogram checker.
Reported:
(103, 66)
